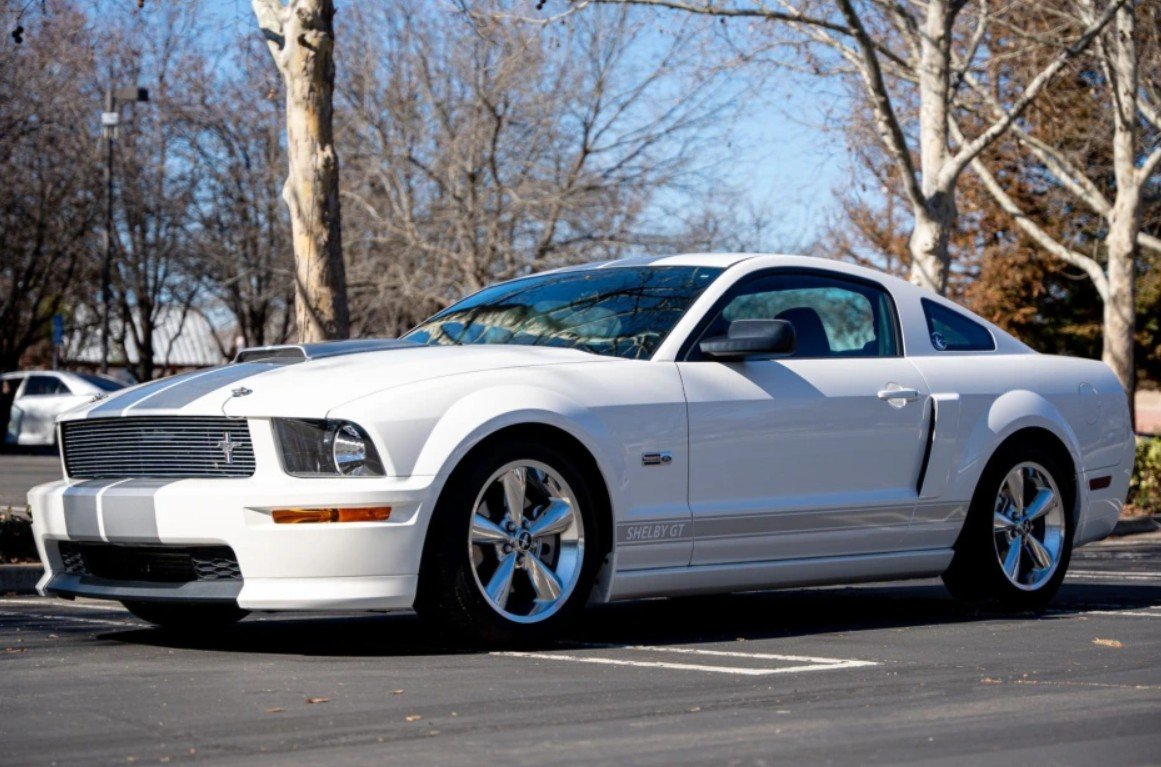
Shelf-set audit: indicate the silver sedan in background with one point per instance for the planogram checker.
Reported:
(42, 395)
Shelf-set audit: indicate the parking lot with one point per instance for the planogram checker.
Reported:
(880, 674)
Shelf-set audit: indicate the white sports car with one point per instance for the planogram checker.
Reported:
(638, 428)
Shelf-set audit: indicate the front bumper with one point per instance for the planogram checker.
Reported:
(331, 566)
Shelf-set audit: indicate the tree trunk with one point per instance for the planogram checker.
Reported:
(930, 259)
(1119, 315)
(301, 38)
(1125, 216)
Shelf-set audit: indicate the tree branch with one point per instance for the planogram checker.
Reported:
(271, 20)
(970, 150)
(1034, 231)
(709, 9)
(887, 122)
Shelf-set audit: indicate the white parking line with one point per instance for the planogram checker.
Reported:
(806, 663)
(70, 619)
(107, 607)
(812, 662)
(1128, 575)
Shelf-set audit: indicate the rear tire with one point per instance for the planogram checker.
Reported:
(511, 552)
(185, 616)
(1016, 542)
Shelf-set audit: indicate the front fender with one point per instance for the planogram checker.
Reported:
(486, 411)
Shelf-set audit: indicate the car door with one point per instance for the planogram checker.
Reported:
(812, 455)
(42, 399)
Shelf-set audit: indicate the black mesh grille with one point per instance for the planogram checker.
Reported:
(152, 564)
(146, 447)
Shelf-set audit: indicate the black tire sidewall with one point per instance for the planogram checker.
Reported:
(976, 573)
(448, 591)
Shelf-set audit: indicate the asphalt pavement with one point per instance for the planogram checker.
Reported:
(882, 674)
(22, 469)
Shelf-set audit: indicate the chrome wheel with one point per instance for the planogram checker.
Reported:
(526, 541)
(1028, 526)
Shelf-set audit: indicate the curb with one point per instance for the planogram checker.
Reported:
(19, 579)
(1139, 525)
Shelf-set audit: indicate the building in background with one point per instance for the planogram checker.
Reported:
(182, 341)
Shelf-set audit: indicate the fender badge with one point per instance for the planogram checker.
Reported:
(663, 458)
(241, 391)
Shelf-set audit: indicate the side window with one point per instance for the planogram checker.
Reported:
(39, 386)
(952, 332)
(832, 317)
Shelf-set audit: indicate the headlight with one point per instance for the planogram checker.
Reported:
(313, 448)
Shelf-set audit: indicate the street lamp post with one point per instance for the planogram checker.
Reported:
(110, 118)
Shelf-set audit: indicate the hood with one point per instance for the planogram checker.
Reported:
(310, 388)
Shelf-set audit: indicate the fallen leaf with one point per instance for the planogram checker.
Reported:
(412, 718)
(318, 700)
(432, 733)
(989, 680)
(14, 649)
(275, 710)
(695, 709)
(1108, 642)
(397, 692)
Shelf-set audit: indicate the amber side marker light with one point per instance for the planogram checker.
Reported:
(301, 516)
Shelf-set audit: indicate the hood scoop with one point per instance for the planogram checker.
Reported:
(289, 354)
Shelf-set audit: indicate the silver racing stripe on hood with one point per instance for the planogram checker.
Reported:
(179, 391)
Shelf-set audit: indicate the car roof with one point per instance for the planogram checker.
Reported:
(720, 260)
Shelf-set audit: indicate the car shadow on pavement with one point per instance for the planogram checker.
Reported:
(676, 621)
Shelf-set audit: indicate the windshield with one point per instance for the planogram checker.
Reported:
(619, 311)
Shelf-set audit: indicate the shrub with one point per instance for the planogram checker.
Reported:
(16, 539)
(1145, 487)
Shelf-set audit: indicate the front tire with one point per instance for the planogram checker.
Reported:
(185, 616)
(1016, 542)
(512, 548)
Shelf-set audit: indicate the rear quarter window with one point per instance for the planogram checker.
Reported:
(951, 331)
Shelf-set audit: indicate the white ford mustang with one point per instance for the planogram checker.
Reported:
(678, 425)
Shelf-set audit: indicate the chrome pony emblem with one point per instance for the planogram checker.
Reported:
(227, 447)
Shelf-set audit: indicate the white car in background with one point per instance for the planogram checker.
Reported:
(42, 395)
(639, 428)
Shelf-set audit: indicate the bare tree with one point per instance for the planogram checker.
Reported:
(480, 148)
(155, 274)
(301, 38)
(242, 233)
(1134, 140)
(48, 204)
(908, 55)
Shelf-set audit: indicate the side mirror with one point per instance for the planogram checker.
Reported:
(751, 338)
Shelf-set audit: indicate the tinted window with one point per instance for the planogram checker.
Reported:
(952, 332)
(832, 317)
(102, 383)
(39, 386)
(619, 311)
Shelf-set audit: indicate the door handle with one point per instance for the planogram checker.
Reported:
(907, 395)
